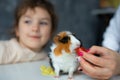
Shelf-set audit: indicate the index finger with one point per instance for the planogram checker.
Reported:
(98, 50)
(97, 61)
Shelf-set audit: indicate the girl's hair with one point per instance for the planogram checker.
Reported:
(32, 4)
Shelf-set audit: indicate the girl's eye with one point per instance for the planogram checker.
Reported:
(28, 21)
(43, 23)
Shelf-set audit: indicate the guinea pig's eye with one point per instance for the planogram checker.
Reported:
(65, 39)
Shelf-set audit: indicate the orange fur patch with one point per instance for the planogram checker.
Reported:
(61, 46)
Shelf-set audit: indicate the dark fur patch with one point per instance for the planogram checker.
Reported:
(65, 39)
(51, 63)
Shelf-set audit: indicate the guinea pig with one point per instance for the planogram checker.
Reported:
(63, 55)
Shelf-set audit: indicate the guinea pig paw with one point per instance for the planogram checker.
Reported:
(70, 78)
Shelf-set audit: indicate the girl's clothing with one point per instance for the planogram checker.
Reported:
(111, 37)
(12, 52)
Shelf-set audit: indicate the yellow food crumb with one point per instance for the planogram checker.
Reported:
(46, 70)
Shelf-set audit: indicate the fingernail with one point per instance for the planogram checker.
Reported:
(80, 54)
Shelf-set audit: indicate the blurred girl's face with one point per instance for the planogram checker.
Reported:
(34, 29)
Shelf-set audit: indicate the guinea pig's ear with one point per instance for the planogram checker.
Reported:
(56, 39)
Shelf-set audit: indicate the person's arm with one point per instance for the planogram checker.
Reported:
(111, 38)
(102, 67)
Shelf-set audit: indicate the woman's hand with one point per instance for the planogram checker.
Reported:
(102, 67)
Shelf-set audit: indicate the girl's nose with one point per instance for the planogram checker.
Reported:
(35, 28)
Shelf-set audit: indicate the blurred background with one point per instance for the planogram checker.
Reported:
(86, 18)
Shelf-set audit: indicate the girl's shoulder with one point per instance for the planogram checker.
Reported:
(4, 43)
(8, 45)
(8, 42)
(5, 50)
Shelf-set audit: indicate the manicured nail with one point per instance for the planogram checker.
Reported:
(80, 53)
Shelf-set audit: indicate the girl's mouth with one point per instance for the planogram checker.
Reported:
(35, 37)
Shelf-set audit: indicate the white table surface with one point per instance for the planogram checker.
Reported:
(31, 71)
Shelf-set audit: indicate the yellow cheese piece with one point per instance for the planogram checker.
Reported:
(46, 70)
